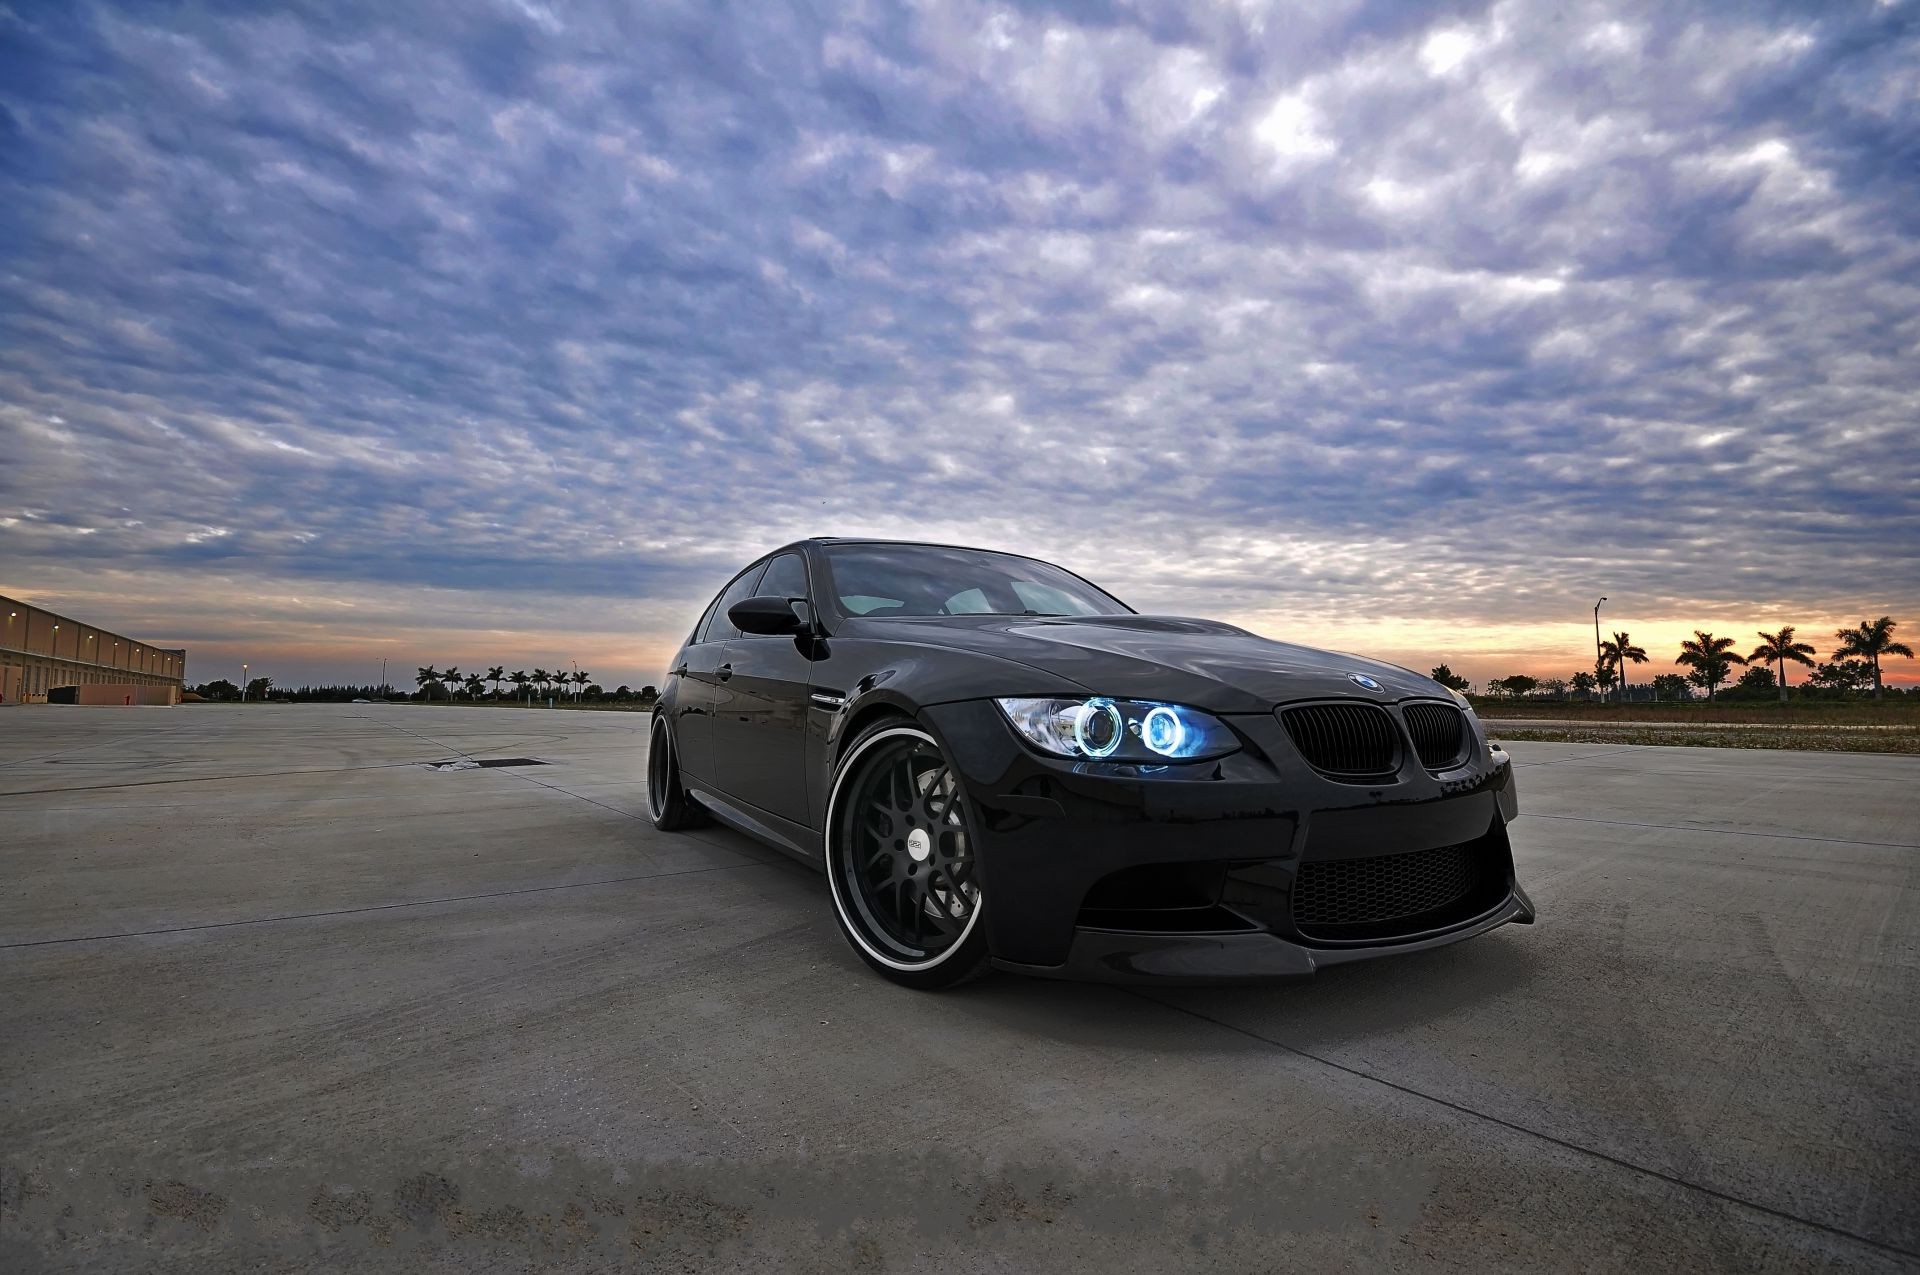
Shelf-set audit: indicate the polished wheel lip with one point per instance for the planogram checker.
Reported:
(657, 761)
(847, 921)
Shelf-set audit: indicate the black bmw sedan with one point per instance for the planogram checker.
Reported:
(997, 763)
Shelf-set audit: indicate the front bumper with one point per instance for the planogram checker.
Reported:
(1130, 873)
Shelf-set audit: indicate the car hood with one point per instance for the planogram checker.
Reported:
(1203, 663)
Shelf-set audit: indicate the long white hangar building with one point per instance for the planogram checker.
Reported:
(51, 658)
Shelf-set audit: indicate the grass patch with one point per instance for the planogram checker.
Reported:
(1805, 738)
(1904, 711)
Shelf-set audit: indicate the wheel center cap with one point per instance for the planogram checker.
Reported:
(919, 845)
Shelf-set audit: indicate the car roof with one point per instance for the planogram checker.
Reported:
(911, 544)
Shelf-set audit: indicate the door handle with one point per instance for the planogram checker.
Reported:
(724, 672)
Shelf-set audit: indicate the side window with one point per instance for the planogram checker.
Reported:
(786, 577)
(699, 633)
(718, 628)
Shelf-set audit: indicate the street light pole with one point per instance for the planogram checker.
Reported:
(243, 679)
(1596, 637)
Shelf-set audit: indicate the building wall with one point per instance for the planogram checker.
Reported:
(124, 693)
(41, 649)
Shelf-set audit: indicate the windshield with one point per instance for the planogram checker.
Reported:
(896, 580)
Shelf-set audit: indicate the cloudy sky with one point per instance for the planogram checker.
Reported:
(502, 332)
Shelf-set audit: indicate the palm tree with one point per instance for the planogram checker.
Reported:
(496, 675)
(453, 680)
(1618, 653)
(542, 679)
(1778, 648)
(580, 680)
(520, 680)
(425, 676)
(1711, 659)
(475, 684)
(1871, 640)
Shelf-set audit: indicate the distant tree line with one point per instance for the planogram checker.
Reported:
(441, 687)
(1854, 669)
(221, 689)
(528, 687)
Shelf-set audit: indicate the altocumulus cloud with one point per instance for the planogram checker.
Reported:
(421, 327)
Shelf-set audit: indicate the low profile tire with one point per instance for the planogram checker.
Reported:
(900, 861)
(667, 802)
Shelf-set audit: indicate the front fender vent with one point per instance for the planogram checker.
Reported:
(1345, 741)
(1439, 734)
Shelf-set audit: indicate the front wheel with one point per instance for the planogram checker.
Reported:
(900, 862)
(667, 802)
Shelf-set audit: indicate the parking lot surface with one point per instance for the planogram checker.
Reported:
(281, 994)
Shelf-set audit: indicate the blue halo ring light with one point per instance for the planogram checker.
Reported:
(1163, 731)
(1099, 727)
(1103, 729)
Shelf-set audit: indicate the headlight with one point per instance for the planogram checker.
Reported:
(1101, 729)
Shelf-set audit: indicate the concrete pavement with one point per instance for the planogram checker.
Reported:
(278, 994)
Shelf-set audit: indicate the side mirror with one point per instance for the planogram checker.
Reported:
(769, 617)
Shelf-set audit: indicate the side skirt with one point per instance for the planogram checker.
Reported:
(782, 834)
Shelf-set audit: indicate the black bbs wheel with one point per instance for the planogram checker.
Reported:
(667, 802)
(905, 884)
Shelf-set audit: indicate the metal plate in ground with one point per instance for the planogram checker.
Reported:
(485, 763)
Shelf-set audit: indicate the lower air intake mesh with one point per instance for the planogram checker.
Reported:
(1386, 887)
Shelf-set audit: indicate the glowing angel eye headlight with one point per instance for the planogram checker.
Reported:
(1163, 731)
(1102, 729)
(1098, 728)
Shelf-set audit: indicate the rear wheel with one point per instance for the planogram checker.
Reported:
(667, 802)
(900, 861)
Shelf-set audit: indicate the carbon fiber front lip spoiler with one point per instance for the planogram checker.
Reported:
(1113, 956)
